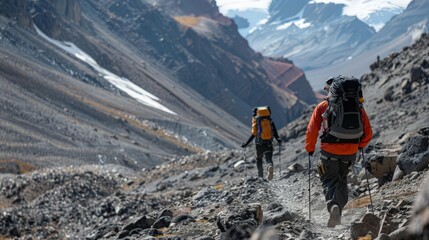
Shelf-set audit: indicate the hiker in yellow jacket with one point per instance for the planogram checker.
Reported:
(263, 131)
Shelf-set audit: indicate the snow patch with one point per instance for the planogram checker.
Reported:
(242, 5)
(378, 26)
(284, 26)
(121, 83)
(300, 24)
(258, 25)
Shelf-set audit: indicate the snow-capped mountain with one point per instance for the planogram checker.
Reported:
(406, 27)
(400, 31)
(311, 34)
(319, 34)
(373, 13)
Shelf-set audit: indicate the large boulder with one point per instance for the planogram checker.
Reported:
(382, 167)
(250, 215)
(143, 222)
(417, 74)
(367, 225)
(241, 231)
(276, 213)
(415, 152)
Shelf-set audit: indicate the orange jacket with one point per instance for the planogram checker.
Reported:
(315, 124)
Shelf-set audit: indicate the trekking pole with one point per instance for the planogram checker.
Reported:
(280, 161)
(309, 189)
(367, 181)
(245, 164)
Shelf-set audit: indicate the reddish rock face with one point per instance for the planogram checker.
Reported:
(289, 78)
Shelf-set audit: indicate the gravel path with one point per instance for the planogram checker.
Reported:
(292, 192)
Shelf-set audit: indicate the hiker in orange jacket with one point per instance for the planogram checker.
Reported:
(335, 158)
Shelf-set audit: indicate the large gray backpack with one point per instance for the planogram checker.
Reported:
(343, 115)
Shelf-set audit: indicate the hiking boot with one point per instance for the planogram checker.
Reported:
(334, 216)
(270, 170)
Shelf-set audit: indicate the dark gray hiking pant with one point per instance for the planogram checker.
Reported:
(263, 149)
(333, 170)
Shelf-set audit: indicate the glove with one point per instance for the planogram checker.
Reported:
(310, 153)
(243, 145)
(279, 141)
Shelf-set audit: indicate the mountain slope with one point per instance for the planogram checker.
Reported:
(50, 117)
(129, 82)
(61, 110)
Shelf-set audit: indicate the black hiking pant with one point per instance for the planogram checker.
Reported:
(263, 149)
(333, 170)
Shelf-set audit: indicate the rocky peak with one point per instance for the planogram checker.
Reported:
(280, 9)
(316, 13)
(205, 8)
(321, 12)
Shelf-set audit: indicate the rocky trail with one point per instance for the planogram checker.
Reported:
(203, 196)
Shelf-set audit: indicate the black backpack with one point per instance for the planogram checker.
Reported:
(342, 121)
